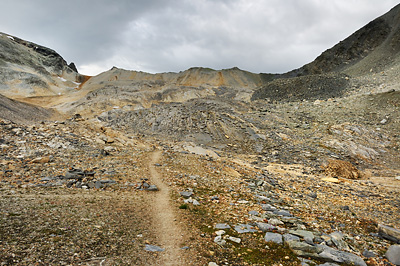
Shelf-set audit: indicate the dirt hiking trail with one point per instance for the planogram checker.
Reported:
(166, 226)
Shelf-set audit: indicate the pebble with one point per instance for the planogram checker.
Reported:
(368, 254)
(313, 195)
(235, 239)
(218, 240)
(220, 232)
(153, 248)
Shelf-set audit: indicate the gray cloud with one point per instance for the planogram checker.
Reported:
(160, 35)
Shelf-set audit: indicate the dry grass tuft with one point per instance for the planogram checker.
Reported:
(343, 169)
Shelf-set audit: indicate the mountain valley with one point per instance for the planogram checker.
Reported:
(204, 166)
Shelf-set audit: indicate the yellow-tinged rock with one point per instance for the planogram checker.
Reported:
(331, 179)
(45, 159)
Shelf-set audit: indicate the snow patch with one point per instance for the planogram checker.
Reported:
(10, 37)
(62, 79)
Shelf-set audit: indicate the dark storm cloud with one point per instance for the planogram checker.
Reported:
(159, 36)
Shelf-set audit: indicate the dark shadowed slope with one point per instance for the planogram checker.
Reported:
(21, 112)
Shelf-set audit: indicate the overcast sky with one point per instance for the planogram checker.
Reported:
(269, 36)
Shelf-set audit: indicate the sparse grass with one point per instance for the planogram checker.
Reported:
(184, 206)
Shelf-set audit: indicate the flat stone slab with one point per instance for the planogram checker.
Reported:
(222, 226)
(302, 233)
(244, 228)
(273, 237)
(290, 237)
(265, 227)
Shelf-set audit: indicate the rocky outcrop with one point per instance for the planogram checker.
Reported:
(29, 69)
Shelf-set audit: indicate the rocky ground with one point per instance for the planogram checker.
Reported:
(77, 190)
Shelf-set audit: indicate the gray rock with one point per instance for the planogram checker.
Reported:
(268, 207)
(393, 254)
(275, 221)
(218, 240)
(244, 228)
(74, 174)
(325, 253)
(306, 262)
(328, 264)
(304, 249)
(212, 264)
(283, 213)
(368, 254)
(222, 226)
(262, 198)
(331, 254)
(98, 184)
(313, 195)
(389, 233)
(152, 188)
(290, 237)
(273, 237)
(153, 248)
(265, 227)
(337, 239)
(91, 184)
(302, 233)
(108, 181)
(186, 194)
(195, 203)
(256, 213)
(235, 239)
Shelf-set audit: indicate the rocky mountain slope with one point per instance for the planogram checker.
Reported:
(263, 169)
(28, 69)
(21, 112)
(371, 51)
